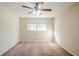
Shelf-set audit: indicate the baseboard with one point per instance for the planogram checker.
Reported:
(8, 49)
(32, 41)
(69, 51)
(66, 49)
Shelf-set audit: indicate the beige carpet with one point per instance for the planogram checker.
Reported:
(36, 49)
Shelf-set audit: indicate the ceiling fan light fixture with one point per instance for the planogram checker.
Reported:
(36, 10)
(39, 6)
(37, 13)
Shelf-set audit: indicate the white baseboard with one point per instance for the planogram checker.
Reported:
(69, 52)
(8, 49)
(33, 41)
(66, 49)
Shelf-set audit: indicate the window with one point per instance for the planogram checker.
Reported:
(36, 27)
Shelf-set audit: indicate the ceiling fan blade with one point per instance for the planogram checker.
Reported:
(46, 9)
(27, 7)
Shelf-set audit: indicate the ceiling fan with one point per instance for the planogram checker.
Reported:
(37, 8)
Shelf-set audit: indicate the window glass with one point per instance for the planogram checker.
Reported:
(37, 27)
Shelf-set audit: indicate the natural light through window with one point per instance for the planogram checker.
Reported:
(36, 27)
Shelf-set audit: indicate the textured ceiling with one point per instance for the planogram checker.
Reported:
(16, 7)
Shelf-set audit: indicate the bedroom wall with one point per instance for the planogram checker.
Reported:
(67, 29)
(9, 29)
(26, 35)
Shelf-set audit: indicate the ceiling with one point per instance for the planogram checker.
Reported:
(16, 7)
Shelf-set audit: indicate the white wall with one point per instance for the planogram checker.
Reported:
(9, 30)
(26, 35)
(67, 29)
